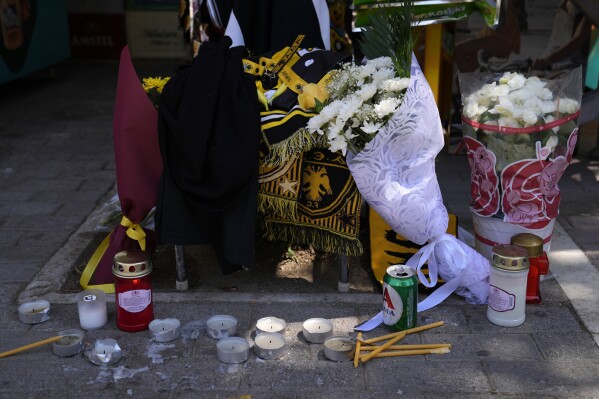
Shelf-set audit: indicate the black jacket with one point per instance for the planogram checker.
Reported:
(209, 131)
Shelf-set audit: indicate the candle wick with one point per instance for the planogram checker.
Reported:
(104, 351)
(270, 341)
(222, 324)
(319, 327)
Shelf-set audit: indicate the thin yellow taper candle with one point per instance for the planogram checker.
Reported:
(381, 348)
(357, 354)
(30, 346)
(435, 351)
(408, 331)
(408, 346)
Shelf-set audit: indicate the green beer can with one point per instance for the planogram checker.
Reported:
(400, 297)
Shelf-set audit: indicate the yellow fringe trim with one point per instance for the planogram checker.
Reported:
(321, 240)
(277, 207)
(300, 141)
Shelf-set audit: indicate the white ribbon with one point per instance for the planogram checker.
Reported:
(444, 250)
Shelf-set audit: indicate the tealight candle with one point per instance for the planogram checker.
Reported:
(270, 325)
(105, 352)
(232, 350)
(70, 344)
(221, 326)
(34, 312)
(92, 309)
(339, 349)
(165, 330)
(317, 330)
(270, 345)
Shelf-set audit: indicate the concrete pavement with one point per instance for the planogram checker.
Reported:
(57, 171)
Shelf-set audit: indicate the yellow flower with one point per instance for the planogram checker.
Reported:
(154, 83)
(310, 93)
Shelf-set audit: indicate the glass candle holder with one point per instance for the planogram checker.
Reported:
(507, 286)
(92, 309)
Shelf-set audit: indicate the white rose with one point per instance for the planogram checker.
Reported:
(545, 94)
(548, 107)
(516, 81)
(508, 122)
(486, 90)
(506, 77)
(534, 83)
(520, 95)
(505, 107)
(568, 105)
(529, 117)
(471, 110)
(501, 91)
(533, 104)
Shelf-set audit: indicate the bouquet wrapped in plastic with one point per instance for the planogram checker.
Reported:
(395, 172)
(383, 115)
(520, 133)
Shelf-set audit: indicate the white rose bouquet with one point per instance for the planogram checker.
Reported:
(520, 133)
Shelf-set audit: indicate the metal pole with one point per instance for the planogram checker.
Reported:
(182, 283)
(343, 283)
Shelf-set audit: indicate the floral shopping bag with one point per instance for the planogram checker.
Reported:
(520, 133)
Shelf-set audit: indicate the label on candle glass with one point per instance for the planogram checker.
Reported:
(500, 300)
(135, 301)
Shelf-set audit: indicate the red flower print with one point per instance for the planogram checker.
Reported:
(530, 192)
(484, 182)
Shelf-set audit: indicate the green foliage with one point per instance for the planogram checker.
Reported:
(390, 34)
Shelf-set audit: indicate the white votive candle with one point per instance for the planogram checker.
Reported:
(70, 344)
(165, 330)
(221, 326)
(232, 350)
(339, 349)
(92, 309)
(34, 312)
(270, 325)
(105, 352)
(270, 345)
(317, 330)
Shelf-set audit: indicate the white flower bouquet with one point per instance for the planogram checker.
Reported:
(362, 98)
(383, 115)
(520, 133)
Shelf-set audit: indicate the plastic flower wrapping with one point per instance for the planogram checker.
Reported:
(520, 133)
(395, 173)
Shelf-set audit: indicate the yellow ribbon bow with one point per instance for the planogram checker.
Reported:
(135, 232)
